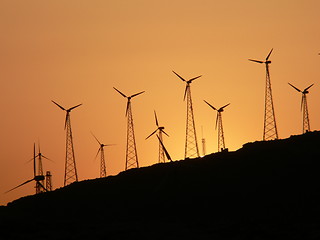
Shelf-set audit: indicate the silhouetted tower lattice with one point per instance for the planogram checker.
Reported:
(221, 142)
(191, 143)
(38, 178)
(70, 174)
(131, 149)
(48, 181)
(40, 183)
(270, 131)
(304, 108)
(103, 168)
(160, 130)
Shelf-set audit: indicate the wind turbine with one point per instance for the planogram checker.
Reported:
(270, 131)
(70, 174)
(160, 131)
(221, 143)
(131, 149)
(38, 178)
(304, 108)
(39, 189)
(103, 172)
(164, 149)
(191, 144)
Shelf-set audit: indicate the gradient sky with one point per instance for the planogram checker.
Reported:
(76, 51)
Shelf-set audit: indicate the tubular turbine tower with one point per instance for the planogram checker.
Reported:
(304, 108)
(191, 144)
(70, 174)
(270, 131)
(131, 150)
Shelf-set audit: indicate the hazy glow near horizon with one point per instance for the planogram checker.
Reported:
(75, 52)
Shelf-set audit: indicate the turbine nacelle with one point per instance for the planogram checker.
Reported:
(128, 97)
(267, 61)
(187, 82)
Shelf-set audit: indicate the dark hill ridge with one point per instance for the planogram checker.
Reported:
(265, 190)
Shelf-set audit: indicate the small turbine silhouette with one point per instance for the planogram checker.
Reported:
(160, 131)
(103, 171)
(221, 143)
(304, 108)
(39, 156)
(38, 178)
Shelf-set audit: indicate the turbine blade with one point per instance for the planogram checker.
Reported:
(269, 54)
(98, 152)
(302, 102)
(152, 134)
(47, 158)
(225, 106)
(165, 150)
(20, 185)
(165, 133)
(42, 186)
(185, 92)
(217, 120)
(294, 87)
(179, 76)
(34, 160)
(75, 107)
(67, 117)
(137, 94)
(308, 87)
(127, 107)
(39, 147)
(58, 105)
(256, 61)
(96, 138)
(210, 105)
(194, 78)
(120, 92)
(155, 116)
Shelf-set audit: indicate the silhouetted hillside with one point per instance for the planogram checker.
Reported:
(265, 190)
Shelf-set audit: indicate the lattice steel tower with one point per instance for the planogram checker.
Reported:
(103, 169)
(160, 130)
(191, 144)
(40, 184)
(221, 143)
(270, 131)
(48, 181)
(70, 174)
(304, 108)
(131, 149)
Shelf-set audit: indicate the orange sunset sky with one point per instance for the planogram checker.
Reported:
(76, 51)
